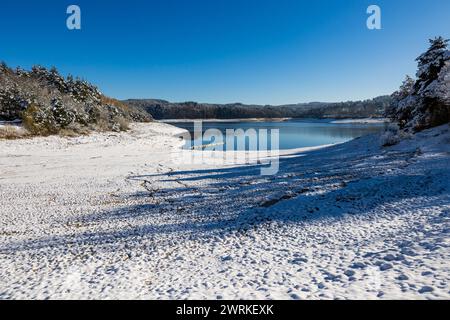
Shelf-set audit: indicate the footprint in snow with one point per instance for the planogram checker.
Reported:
(226, 258)
(385, 266)
(349, 273)
(299, 260)
(426, 289)
(358, 265)
(294, 296)
(402, 277)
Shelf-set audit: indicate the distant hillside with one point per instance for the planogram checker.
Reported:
(48, 103)
(161, 109)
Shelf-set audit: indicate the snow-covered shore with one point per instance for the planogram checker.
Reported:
(110, 216)
(361, 121)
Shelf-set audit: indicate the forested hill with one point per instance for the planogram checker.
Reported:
(161, 109)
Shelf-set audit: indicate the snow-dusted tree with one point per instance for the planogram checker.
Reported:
(425, 103)
(403, 102)
(431, 62)
(3, 66)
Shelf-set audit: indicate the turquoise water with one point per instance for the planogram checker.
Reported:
(292, 133)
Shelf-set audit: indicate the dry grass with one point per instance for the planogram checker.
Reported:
(13, 132)
(72, 133)
(123, 124)
(114, 102)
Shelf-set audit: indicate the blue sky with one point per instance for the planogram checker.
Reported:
(265, 52)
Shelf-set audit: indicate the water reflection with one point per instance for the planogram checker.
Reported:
(294, 133)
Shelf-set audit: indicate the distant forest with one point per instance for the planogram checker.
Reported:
(161, 109)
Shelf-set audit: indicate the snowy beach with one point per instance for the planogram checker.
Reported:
(110, 215)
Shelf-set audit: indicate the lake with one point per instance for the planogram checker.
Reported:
(294, 133)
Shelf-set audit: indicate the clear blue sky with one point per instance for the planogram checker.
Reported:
(252, 51)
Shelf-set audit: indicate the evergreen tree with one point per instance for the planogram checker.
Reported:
(425, 103)
(3, 66)
(400, 109)
(431, 62)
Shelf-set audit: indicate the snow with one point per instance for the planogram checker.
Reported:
(110, 216)
(361, 121)
(10, 123)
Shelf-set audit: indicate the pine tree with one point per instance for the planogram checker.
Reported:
(406, 88)
(398, 110)
(425, 103)
(431, 62)
(3, 66)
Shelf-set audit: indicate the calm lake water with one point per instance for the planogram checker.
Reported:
(293, 133)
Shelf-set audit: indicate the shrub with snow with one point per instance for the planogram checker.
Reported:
(393, 135)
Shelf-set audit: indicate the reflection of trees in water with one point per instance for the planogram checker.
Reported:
(332, 131)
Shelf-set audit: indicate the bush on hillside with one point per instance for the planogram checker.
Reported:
(48, 103)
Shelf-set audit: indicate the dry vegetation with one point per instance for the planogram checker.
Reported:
(10, 132)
